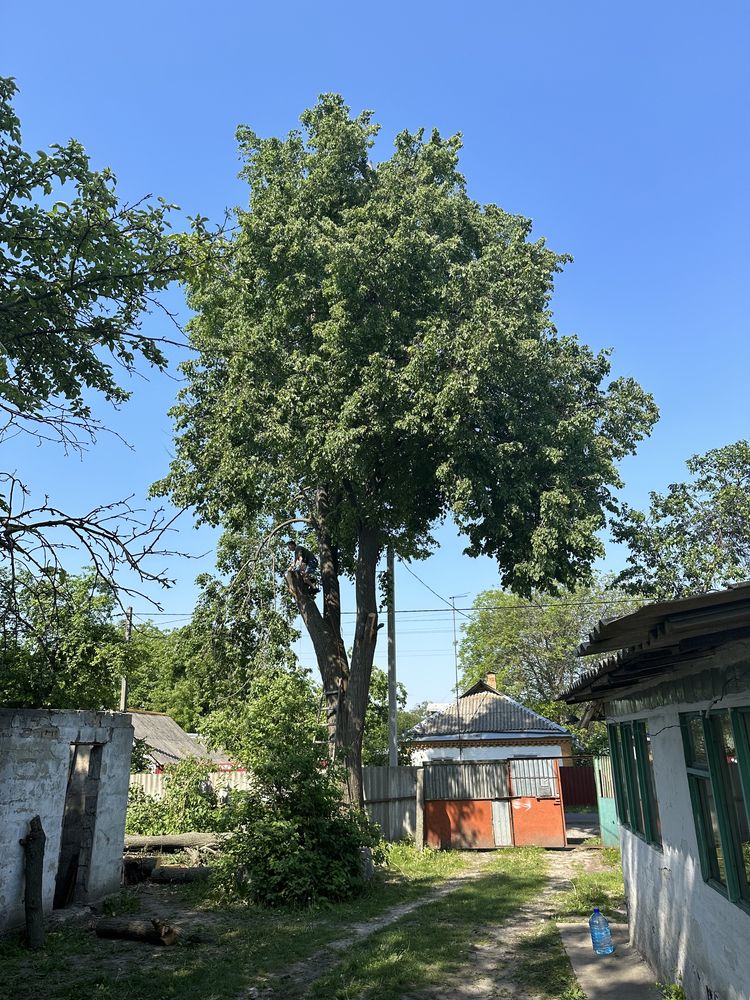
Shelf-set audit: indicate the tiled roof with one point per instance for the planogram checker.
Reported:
(482, 709)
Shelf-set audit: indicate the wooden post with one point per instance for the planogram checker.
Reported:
(419, 833)
(33, 850)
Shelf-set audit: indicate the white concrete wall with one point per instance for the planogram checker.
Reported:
(34, 760)
(677, 921)
(419, 756)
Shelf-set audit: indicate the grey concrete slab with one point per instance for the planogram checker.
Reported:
(620, 976)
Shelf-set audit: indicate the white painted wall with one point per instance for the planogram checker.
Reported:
(679, 923)
(34, 759)
(419, 757)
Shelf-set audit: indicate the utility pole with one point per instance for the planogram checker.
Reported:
(124, 679)
(453, 600)
(392, 706)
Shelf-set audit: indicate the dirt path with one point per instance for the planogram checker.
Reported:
(492, 955)
(296, 978)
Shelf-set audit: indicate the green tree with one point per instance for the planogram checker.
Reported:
(78, 268)
(296, 842)
(61, 647)
(531, 645)
(237, 630)
(375, 741)
(376, 352)
(696, 536)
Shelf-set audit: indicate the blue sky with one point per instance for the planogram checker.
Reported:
(620, 130)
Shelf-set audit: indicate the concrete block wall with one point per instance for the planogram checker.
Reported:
(681, 925)
(34, 762)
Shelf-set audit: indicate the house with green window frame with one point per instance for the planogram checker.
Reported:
(673, 683)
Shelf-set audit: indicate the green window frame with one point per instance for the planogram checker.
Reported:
(717, 758)
(633, 772)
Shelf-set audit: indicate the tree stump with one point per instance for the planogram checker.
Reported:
(33, 850)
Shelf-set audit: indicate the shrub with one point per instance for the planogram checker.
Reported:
(189, 803)
(297, 842)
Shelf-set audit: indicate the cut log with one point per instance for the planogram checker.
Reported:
(137, 868)
(175, 841)
(33, 850)
(148, 931)
(174, 874)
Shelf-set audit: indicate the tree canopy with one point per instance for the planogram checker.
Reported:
(696, 536)
(78, 268)
(531, 645)
(61, 646)
(376, 353)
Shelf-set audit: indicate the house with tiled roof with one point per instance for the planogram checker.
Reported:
(485, 724)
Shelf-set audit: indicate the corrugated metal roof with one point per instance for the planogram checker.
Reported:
(482, 709)
(167, 741)
(621, 633)
(658, 637)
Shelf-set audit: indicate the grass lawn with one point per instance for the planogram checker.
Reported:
(603, 888)
(237, 945)
(427, 946)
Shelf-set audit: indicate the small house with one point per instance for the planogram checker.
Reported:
(484, 724)
(674, 687)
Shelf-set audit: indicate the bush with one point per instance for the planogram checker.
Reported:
(189, 803)
(297, 842)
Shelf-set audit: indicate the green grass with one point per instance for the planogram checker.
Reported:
(426, 946)
(604, 889)
(238, 945)
(543, 966)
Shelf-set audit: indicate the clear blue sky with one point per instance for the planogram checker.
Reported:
(622, 131)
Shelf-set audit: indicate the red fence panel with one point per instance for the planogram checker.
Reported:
(578, 786)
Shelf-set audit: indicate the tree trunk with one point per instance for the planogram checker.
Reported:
(33, 849)
(346, 690)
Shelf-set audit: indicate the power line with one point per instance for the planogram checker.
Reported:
(145, 615)
(451, 604)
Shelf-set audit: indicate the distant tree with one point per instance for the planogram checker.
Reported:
(375, 742)
(239, 628)
(78, 268)
(696, 536)
(531, 645)
(61, 647)
(376, 352)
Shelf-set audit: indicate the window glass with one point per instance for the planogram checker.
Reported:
(619, 774)
(655, 832)
(697, 756)
(717, 863)
(735, 798)
(636, 794)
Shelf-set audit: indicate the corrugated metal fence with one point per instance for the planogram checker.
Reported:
(579, 788)
(391, 800)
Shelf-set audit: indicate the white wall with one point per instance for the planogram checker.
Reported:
(678, 922)
(483, 753)
(34, 760)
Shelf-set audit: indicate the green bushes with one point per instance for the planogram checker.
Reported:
(189, 803)
(297, 842)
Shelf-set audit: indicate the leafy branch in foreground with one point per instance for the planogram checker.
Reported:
(696, 536)
(78, 270)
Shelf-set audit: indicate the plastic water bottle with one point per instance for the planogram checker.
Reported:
(601, 938)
